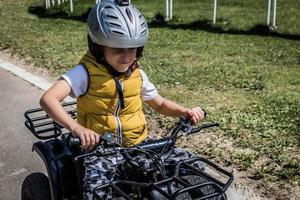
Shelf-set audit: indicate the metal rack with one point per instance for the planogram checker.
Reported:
(42, 126)
(178, 186)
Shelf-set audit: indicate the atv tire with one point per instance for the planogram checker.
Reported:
(205, 190)
(36, 187)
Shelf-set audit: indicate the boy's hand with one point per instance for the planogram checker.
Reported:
(88, 138)
(195, 115)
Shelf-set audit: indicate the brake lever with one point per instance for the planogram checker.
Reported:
(195, 130)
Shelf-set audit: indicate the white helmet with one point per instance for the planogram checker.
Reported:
(117, 24)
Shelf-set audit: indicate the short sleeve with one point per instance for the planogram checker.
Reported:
(148, 89)
(77, 78)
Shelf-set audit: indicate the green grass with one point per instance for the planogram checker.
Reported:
(245, 76)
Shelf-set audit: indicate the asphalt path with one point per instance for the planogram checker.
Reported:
(16, 157)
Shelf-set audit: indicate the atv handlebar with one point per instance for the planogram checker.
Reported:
(183, 125)
(159, 146)
(187, 128)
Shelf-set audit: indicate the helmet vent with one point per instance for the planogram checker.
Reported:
(129, 15)
(114, 24)
(140, 16)
(118, 32)
(143, 31)
(112, 16)
(143, 24)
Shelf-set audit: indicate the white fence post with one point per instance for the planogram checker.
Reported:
(167, 9)
(71, 5)
(171, 9)
(215, 11)
(47, 4)
(274, 13)
(268, 12)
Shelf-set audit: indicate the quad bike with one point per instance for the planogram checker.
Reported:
(144, 174)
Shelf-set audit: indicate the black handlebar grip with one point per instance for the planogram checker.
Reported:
(73, 141)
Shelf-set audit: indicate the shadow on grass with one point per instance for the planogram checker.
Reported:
(56, 13)
(206, 25)
(159, 22)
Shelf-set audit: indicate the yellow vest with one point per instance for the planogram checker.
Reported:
(99, 109)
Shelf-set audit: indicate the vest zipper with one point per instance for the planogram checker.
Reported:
(116, 115)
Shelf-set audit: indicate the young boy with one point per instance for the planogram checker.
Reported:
(108, 83)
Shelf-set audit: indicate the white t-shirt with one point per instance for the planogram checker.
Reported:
(77, 78)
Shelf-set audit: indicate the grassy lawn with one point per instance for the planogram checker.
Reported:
(246, 77)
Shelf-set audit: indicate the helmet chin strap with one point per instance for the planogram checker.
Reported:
(127, 74)
(135, 64)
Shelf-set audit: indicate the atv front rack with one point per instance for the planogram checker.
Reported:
(187, 183)
(42, 126)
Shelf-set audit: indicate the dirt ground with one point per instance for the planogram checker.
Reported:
(248, 188)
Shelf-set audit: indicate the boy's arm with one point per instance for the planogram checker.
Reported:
(169, 108)
(50, 101)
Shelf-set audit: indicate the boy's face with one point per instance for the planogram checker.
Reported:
(120, 59)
